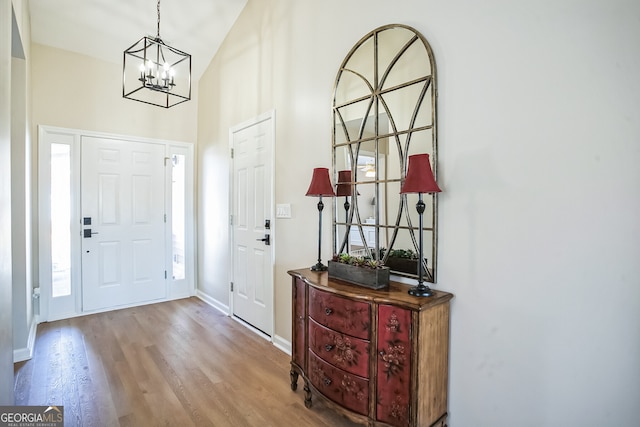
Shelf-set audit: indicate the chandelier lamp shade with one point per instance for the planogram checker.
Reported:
(156, 73)
(320, 186)
(419, 179)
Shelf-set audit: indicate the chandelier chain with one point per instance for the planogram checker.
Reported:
(158, 19)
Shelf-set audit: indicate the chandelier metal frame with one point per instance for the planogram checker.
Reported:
(156, 73)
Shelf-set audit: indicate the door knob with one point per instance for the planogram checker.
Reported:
(266, 239)
(88, 233)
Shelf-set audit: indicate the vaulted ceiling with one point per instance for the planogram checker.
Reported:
(103, 29)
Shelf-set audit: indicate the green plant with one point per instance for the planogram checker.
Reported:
(403, 253)
(357, 261)
(343, 258)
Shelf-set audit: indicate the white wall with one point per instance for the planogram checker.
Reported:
(24, 321)
(15, 309)
(539, 124)
(6, 333)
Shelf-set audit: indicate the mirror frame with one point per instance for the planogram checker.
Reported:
(370, 97)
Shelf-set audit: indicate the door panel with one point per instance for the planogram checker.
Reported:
(252, 207)
(122, 190)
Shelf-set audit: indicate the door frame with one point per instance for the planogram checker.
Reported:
(73, 137)
(271, 116)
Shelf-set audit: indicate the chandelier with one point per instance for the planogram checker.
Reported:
(156, 73)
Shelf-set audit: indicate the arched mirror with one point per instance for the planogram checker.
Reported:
(384, 110)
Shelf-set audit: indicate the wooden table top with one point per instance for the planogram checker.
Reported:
(396, 293)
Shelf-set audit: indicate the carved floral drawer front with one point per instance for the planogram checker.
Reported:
(346, 389)
(341, 314)
(394, 365)
(345, 352)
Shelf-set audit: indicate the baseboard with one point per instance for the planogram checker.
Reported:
(276, 340)
(282, 344)
(212, 302)
(26, 353)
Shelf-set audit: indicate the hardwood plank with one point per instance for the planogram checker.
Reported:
(179, 363)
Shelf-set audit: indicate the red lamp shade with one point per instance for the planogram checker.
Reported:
(320, 183)
(344, 187)
(419, 177)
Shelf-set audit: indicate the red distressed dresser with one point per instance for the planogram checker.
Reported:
(379, 356)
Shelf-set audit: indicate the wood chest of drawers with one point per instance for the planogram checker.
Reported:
(379, 356)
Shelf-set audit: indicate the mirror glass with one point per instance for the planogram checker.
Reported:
(384, 110)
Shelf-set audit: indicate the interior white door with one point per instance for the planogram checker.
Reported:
(123, 242)
(252, 255)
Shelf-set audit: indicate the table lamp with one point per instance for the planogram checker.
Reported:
(320, 186)
(419, 179)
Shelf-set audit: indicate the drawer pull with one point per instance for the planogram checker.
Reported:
(328, 311)
(327, 381)
(328, 347)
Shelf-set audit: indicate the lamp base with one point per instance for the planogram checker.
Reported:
(319, 267)
(421, 291)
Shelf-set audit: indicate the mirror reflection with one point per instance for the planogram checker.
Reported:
(384, 110)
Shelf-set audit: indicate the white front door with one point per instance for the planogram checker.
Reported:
(252, 200)
(123, 223)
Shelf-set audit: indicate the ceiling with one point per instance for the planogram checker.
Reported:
(103, 29)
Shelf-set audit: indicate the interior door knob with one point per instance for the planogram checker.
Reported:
(266, 239)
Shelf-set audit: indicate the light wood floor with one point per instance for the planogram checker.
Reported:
(179, 363)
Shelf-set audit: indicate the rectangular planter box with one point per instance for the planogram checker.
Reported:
(405, 265)
(371, 278)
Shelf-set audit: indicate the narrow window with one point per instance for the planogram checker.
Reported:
(178, 187)
(61, 220)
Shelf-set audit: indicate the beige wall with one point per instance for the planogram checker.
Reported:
(539, 238)
(79, 92)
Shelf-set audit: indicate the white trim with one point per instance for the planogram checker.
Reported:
(282, 344)
(71, 305)
(26, 353)
(279, 342)
(185, 287)
(55, 129)
(213, 302)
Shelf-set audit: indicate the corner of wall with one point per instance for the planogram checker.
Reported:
(213, 302)
(282, 344)
(26, 353)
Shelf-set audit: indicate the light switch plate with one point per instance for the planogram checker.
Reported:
(283, 210)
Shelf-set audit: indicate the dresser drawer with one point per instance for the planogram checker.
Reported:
(344, 351)
(345, 389)
(340, 314)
